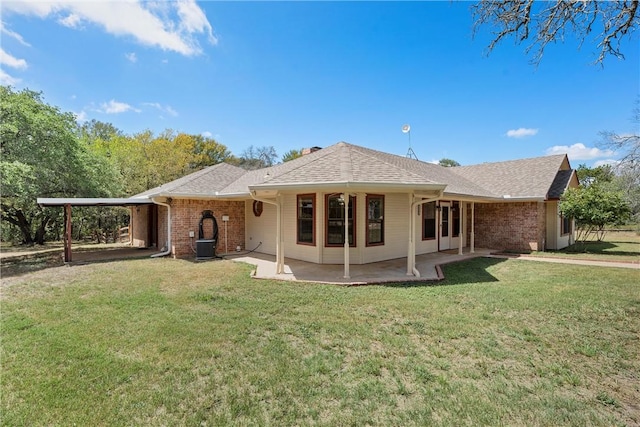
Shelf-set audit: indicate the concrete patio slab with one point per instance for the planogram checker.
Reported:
(391, 271)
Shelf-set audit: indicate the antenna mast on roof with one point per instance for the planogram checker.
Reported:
(410, 154)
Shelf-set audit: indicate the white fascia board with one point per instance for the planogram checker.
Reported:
(91, 201)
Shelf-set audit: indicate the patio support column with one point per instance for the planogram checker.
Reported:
(460, 230)
(346, 198)
(471, 236)
(67, 232)
(415, 200)
(279, 238)
(411, 250)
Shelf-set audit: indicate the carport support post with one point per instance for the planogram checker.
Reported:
(67, 232)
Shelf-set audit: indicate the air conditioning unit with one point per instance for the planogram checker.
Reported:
(205, 249)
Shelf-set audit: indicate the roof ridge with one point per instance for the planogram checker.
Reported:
(563, 155)
(404, 159)
(192, 176)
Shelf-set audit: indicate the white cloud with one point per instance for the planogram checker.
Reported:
(579, 151)
(172, 26)
(12, 34)
(164, 108)
(81, 116)
(11, 61)
(521, 132)
(8, 80)
(72, 21)
(115, 107)
(131, 57)
(206, 134)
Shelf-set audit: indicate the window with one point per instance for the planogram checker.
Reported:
(335, 220)
(306, 219)
(375, 220)
(565, 223)
(429, 221)
(455, 212)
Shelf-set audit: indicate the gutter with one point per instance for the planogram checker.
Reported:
(168, 250)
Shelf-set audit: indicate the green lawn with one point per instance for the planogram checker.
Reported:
(173, 342)
(617, 246)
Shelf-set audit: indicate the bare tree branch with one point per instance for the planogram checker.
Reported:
(542, 23)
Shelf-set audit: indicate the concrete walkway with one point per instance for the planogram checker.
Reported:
(617, 264)
(392, 271)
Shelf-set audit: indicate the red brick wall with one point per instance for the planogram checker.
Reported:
(186, 215)
(510, 226)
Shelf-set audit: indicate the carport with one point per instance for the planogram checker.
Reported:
(68, 203)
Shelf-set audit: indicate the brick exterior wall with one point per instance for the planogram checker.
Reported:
(186, 215)
(509, 226)
(139, 226)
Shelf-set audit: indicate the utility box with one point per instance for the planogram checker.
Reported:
(205, 249)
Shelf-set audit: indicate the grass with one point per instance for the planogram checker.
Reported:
(173, 342)
(617, 246)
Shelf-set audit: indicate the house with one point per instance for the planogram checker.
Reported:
(347, 204)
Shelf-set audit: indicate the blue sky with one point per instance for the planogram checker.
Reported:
(301, 74)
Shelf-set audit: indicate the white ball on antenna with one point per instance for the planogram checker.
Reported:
(406, 128)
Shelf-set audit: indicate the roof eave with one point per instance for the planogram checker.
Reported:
(92, 201)
(202, 196)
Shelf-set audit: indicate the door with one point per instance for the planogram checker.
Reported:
(445, 226)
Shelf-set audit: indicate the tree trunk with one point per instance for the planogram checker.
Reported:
(17, 218)
(42, 229)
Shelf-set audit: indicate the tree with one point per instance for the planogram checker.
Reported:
(626, 144)
(256, 158)
(598, 175)
(448, 163)
(41, 156)
(593, 208)
(550, 22)
(291, 155)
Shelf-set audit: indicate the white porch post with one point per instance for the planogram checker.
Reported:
(279, 239)
(346, 236)
(472, 248)
(460, 230)
(411, 250)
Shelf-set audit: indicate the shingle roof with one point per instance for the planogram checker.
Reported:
(516, 178)
(346, 163)
(205, 182)
(560, 184)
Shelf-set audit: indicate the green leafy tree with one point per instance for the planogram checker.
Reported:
(549, 22)
(593, 208)
(291, 155)
(42, 156)
(597, 175)
(448, 163)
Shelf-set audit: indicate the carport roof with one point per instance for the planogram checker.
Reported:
(93, 201)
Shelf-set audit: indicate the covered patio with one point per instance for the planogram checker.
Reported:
(391, 271)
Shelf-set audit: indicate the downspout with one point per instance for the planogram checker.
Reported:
(411, 258)
(279, 243)
(168, 251)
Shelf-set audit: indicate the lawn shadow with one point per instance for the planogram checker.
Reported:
(19, 265)
(470, 271)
